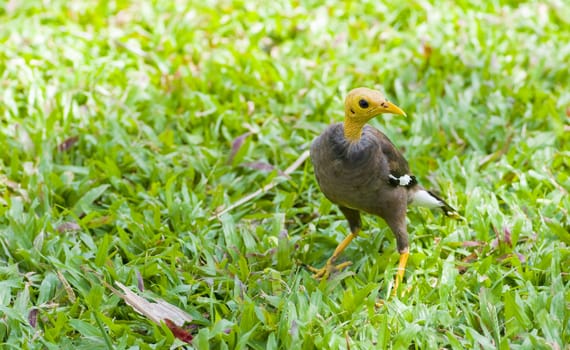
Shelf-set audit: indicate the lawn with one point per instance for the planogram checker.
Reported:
(134, 136)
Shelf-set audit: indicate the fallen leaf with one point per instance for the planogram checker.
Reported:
(263, 167)
(69, 226)
(470, 258)
(178, 332)
(140, 282)
(236, 145)
(67, 144)
(158, 312)
(33, 317)
(507, 237)
(521, 257)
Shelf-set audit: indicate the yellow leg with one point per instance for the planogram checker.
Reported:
(399, 275)
(401, 270)
(329, 267)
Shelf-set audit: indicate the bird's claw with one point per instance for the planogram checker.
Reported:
(395, 292)
(328, 269)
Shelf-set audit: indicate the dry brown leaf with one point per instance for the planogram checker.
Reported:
(67, 144)
(263, 167)
(236, 145)
(140, 282)
(69, 226)
(507, 236)
(158, 312)
(33, 317)
(179, 332)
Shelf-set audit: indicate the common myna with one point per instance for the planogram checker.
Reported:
(359, 169)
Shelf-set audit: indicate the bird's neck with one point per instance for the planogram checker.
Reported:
(352, 130)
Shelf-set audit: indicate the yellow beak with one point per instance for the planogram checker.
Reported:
(389, 107)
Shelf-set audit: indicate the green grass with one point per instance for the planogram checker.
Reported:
(116, 125)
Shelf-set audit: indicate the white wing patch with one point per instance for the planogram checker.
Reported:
(403, 180)
(423, 198)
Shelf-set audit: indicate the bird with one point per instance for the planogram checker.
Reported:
(360, 170)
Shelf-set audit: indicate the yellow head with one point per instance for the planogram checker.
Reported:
(361, 105)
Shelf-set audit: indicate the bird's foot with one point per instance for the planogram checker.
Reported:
(397, 281)
(395, 293)
(328, 269)
(401, 271)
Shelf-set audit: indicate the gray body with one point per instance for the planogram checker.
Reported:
(356, 177)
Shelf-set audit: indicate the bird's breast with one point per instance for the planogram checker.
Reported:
(354, 174)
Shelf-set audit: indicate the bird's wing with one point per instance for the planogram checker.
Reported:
(399, 171)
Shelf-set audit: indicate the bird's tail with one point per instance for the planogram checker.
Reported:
(447, 209)
(425, 198)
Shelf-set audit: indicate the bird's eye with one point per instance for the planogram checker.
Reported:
(363, 103)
